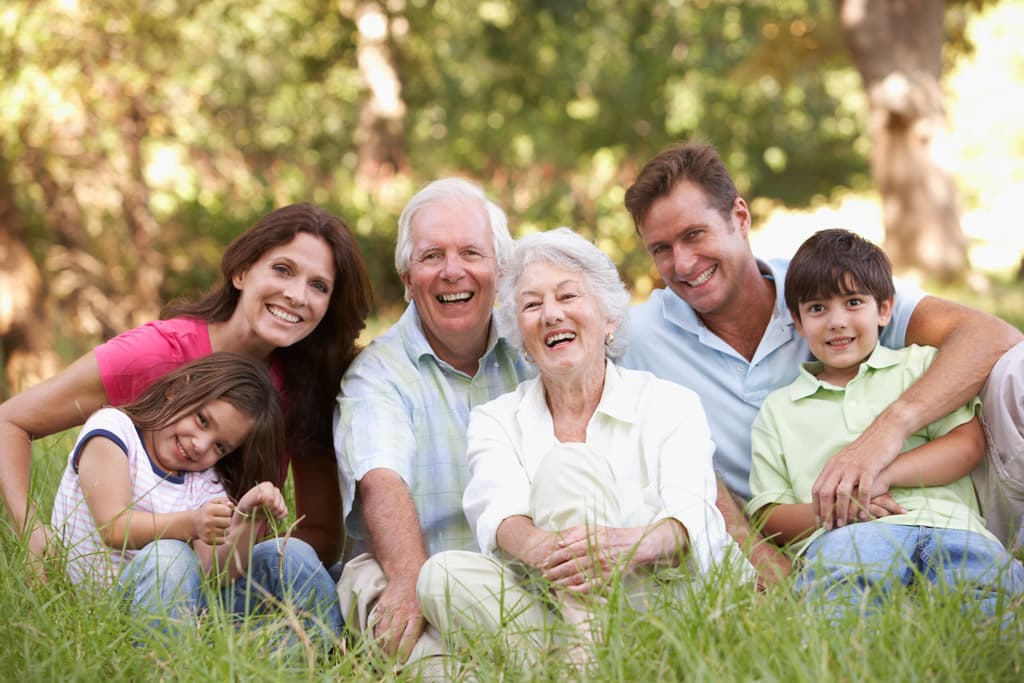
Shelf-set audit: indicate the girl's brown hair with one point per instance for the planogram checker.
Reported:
(312, 367)
(237, 380)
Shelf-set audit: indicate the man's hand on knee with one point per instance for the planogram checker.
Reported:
(397, 621)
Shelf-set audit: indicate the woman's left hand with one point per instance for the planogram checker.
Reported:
(585, 556)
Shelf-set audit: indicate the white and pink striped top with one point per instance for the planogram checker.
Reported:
(153, 490)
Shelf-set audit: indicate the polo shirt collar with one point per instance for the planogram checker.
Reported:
(807, 382)
(678, 312)
(411, 329)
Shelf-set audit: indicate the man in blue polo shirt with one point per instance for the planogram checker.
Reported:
(721, 328)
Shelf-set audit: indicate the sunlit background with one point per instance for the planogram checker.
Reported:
(137, 139)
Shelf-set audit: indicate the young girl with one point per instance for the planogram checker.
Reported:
(166, 468)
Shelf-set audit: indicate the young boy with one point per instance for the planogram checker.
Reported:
(839, 291)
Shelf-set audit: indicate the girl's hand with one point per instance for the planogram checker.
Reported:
(264, 498)
(212, 520)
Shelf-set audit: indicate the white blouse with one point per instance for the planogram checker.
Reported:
(653, 432)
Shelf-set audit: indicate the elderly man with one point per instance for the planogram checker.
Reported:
(722, 329)
(403, 409)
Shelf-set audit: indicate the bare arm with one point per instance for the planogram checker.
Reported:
(61, 402)
(106, 485)
(787, 522)
(518, 537)
(769, 562)
(969, 342)
(939, 461)
(397, 542)
(318, 506)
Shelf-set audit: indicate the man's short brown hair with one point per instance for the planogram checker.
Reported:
(696, 162)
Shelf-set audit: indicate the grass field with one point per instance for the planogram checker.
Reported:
(52, 632)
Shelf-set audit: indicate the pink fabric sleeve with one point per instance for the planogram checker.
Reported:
(131, 361)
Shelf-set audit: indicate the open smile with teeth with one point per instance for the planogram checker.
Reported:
(840, 341)
(456, 298)
(559, 337)
(703, 277)
(281, 314)
(181, 450)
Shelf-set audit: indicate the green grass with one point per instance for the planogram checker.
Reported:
(53, 632)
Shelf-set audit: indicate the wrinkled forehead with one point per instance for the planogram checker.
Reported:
(452, 221)
(545, 274)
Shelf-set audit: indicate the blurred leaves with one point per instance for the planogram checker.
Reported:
(170, 126)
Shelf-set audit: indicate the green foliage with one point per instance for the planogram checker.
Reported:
(210, 113)
(167, 128)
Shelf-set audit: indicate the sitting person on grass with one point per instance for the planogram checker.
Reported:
(182, 472)
(588, 479)
(928, 527)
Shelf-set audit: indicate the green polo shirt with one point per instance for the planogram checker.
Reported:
(803, 425)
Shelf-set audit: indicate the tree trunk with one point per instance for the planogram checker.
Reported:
(897, 47)
(25, 341)
(143, 303)
(380, 135)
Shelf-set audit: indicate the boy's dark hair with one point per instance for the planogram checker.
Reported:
(696, 162)
(829, 261)
(243, 383)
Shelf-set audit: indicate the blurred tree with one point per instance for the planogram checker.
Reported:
(897, 47)
(141, 137)
(26, 349)
(380, 135)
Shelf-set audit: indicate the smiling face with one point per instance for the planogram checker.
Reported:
(197, 440)
(701, 255)
(285, 293)
(842, 331)
(561, 322)
(452, 274)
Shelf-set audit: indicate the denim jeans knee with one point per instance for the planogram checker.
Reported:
(163, 580)
(287, 573)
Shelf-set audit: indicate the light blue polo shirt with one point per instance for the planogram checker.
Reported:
(668, 339)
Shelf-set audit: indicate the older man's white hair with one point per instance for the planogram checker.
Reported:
(451, 189)
(566, 249)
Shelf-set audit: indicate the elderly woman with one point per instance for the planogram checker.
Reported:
(584, 475)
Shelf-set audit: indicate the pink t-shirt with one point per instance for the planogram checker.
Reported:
(133, 360)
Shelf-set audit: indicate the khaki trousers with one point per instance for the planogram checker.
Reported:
(999, 479)
(361, 583)
(461, 590)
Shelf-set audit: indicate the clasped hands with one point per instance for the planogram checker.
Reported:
(581, 559)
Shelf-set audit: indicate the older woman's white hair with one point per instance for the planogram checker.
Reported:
(451, 189)
(565, 248)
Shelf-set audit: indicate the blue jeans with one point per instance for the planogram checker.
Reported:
(857, 565)
(164, 580)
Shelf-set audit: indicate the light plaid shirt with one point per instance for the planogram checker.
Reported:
(403, 408)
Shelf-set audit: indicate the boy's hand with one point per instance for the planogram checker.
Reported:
(211, 521)
(881, 505)
(264, 498)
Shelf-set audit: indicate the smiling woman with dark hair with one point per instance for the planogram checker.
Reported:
(295, 295)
